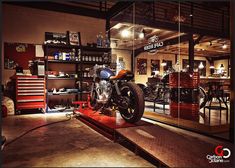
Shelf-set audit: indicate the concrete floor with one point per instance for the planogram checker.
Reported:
(65, 144)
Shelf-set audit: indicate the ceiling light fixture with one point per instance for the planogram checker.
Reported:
(212, 67)
(224, 46)
(210, 43)
(163, 63)
(222, 66)
(201, 66)
(125, 33)
(191, 15)
(141, 35)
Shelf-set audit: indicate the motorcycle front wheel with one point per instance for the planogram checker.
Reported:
(133, 98)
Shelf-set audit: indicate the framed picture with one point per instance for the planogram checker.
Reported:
(155, 65)
(74, 38)
(56, 38)
(168, 65)
(142, 66)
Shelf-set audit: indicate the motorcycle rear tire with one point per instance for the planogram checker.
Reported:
(139, 103)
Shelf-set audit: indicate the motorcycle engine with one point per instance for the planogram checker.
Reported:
(104, 91)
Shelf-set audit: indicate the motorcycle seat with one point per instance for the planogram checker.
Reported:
(123, 74)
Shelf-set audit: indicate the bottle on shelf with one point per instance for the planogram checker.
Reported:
(106, 40)
(99, 40)
(78, 58)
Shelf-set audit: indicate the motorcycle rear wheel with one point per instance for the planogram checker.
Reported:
(134, 94)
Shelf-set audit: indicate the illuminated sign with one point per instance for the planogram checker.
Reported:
(153, 44)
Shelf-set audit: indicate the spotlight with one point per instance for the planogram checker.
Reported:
(125, 33)
(141, 35)
(224, 46)
(191, 15)
(210, 43)
(163, 63)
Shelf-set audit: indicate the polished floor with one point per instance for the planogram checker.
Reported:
(215, 116)
(69, 143)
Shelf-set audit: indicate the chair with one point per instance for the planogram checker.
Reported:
(215, 91)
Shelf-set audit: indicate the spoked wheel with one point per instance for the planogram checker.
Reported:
(132, 104)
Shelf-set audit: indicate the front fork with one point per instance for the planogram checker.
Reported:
(117, 88)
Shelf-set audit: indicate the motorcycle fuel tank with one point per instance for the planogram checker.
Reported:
(106, 73)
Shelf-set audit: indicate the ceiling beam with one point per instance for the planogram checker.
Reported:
(172, 26)
(118, 7)
(220, 57)
(198, 39)
(53, 6)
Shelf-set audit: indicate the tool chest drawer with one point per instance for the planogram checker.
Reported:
(30, 92)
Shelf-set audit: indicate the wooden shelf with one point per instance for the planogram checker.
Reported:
(77, 66)
(61, 94)
(56, 78)
(67, 94)
(87, 48)
(64, 61)
(62, 46)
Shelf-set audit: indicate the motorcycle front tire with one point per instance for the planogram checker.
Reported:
(138, 96)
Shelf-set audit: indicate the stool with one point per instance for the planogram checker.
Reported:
(215, 91)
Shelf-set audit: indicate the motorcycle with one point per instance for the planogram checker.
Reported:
(108, 90)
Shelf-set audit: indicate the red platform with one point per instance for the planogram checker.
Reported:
(168, 148)
(104, 123)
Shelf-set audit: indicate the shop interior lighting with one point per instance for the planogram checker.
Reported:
(212, 65)
(141, 35)
(156, 72)
(163, 63)
(201, 66)
(191, 15)
(222, 66)
(224, 46)
(125, 33)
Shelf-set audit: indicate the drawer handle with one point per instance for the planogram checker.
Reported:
(30, 100)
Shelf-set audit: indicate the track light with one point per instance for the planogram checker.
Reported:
(163, 63)
(125, 33)
(224, 46)
(141, 35)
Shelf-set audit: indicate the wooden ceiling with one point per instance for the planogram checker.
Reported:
(208, 46)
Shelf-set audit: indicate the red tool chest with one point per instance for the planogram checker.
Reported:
(30, 93)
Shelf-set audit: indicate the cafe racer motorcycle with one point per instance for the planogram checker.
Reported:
(116, 91)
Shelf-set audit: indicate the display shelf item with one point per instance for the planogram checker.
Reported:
(58, 78)
(63, 61)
